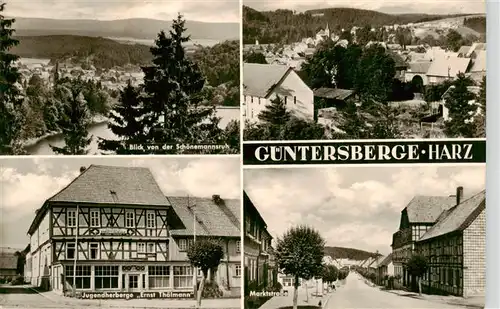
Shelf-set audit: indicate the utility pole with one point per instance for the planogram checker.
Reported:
(195, 270)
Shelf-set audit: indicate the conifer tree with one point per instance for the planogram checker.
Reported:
(275, 113)
(10, 96)
(173, 91)
(74, 120)
(125, 121)
(353, 124)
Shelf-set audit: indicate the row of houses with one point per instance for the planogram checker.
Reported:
(112, 229)
(450, 232)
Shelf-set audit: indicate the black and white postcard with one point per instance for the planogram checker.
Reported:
(329, 70)
(119, 77)
(120, 232)
(365, 237)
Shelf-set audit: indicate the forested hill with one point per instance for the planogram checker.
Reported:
(285, 26)
(138, 28)
(348, 253)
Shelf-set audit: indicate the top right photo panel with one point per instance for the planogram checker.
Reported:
(344, 70)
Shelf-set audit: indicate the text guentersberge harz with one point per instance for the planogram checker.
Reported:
(450, 151)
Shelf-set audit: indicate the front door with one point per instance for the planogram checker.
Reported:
(134, 283)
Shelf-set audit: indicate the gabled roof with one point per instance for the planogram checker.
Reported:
(473, 89)
(386, 261)
(419, 67)
(260, 79)
(8, 261)
(248, 204)
(479, 64)
(426, 209)
(221, 218)
(448, 67)
(459, 217)
(100, 184)
(333, 93)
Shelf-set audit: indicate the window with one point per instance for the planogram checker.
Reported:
(71, 218)
(106, 277)
(141, 247)
(133, 281)
(151, 248)
(82, 276)
(70, 251)
(238, 246)
(159, 276)
(182, 244)
(94, 251)
(130, 219)
(237, 270)
(151, 220)
(94, 219)
(248, 225)
(183, 276)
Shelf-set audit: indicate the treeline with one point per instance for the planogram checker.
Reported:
(287, 26)
(348, 253)
(476, 23)
(101, 52)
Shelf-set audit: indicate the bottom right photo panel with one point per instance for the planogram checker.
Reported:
(385, 236)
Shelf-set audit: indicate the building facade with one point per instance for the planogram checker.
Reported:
(456, 249)
(113, 230)
(260, 267)
(264, 82)
(416, 219)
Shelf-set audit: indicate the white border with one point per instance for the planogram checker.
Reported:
(367, 141)
(242, 214)
(358, 165)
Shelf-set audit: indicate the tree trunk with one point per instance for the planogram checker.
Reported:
(200, 291)
(307, 294)
(419, 286)
(295, 292)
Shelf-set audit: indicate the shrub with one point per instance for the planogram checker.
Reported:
(17, 280)
(211, 290)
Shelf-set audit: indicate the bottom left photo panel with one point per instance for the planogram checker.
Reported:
(124, 232)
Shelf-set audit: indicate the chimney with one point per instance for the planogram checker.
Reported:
(460, 194)
(216, 198)
(82, 169)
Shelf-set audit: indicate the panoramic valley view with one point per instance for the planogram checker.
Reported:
(87, 86)
(349, 72)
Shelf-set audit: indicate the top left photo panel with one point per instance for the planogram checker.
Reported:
(113, 77)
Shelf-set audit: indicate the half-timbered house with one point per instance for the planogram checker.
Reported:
(112, 229)
(455, 248)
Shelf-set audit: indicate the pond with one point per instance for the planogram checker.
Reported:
(101, 130)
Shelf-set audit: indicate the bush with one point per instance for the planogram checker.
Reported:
(211, 290)
(18, 280)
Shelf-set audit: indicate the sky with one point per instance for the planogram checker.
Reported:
(25, 183)
(391, 7)
(199, 10)
(355, 207)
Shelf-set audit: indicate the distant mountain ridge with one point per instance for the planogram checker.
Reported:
(348, 253)
(138, 28)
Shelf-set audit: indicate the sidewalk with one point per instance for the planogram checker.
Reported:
(470, 302)
(223, 303)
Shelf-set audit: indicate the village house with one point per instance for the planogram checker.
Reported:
(113, 230)
(478, 68)
(260, 270)
(417, 73)
(264, 82)
(455, 248)
(385, 269)
(416, 218)
(8, 263)
(442, 69)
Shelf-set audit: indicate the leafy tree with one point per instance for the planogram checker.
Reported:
(299, 253)
(11, 118)
(453, 40)
(330, 273)
(255, 58)
(386, 124)
(460, 110)
(74, 120)
(172, 92)
(232, 135)
(300, 129)
(353, 123)
(417, 266)
(375, 75)
(125, 121)
(205, 254)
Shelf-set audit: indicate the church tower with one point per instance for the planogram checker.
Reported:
(327, 30)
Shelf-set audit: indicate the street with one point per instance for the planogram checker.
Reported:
(356, 294)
